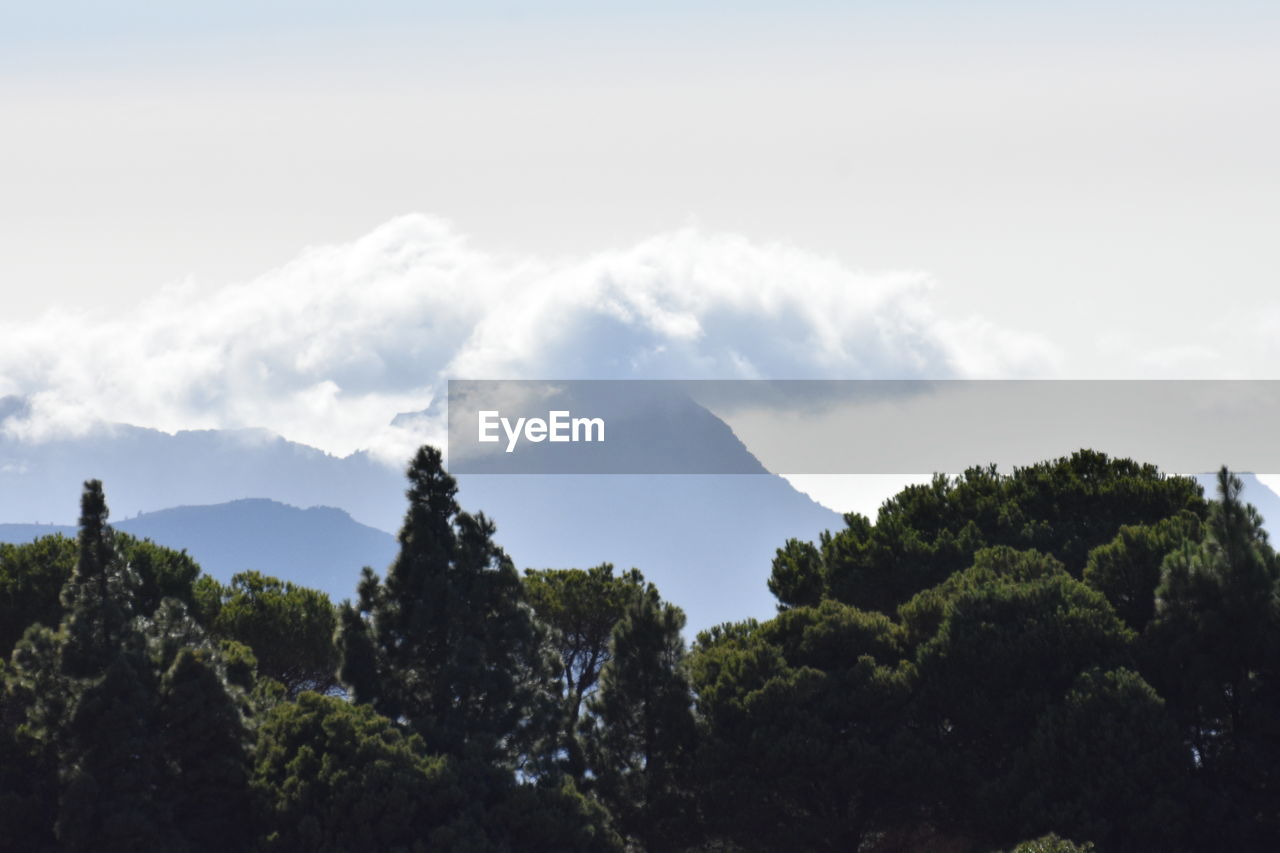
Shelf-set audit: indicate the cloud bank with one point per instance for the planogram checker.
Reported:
(327, 349)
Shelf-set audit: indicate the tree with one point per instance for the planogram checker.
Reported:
(799, 577)
(640, 732)
(804, 741)
(1127, 569)
(1106, 763)
(31, 577)
(98, 598)
(1213, 650)
(113, 772)
(28, 774)
(446, 641)
(927, 532)
(1014, 634)
(130, 711)
(290, 628)
(160, 572)
(333, 776)
(581, 608)
(205, 747)
(33, 574)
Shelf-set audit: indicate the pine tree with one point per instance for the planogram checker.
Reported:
(446, 642)
(204, 740)
(114, 795)
(96, 599)
(1215, 644)
(130, 711)
(581, 608)
(640, 732)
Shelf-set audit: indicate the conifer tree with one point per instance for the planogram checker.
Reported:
(114, 791)
(203, 736)
(1215, 649)
(131, 712)
(581, 608)
(446, 642)
(96, 598)
(640, 734)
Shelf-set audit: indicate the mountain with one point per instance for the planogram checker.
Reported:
(653, 427)
(145, 470)
(707, 541)
(322, 547)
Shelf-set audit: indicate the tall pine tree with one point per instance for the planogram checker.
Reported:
(446, 642)
(640, 732)
(130, 709)
(1215, 650)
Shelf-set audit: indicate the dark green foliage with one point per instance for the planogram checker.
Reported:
(1065, 508)
(31, 577)
(333, 776)
(446, 641)
(161, 572)
(535, 817)
(804, 744)
(1106, 764)
(974, 721)
(99, 597)
(581, 608)
(1127, 569)
(1008, 648)
(1082, 649)
(28, 775)
(290, 628)
(205, 746)
(640, 732)
(923, 615)
(1213, 651)
(114, 793)
(799, 577)
(128, 713)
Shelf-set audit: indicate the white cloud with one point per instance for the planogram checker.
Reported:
(327, 349)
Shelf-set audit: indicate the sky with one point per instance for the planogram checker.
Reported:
(303, 215)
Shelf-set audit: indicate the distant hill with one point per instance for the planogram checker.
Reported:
(706, 540)
(145, 470)
(320, 547)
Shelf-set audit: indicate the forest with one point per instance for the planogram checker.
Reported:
(1081, 654)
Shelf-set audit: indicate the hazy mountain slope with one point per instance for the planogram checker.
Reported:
(144, 470)
(321, 547)
(707, 541)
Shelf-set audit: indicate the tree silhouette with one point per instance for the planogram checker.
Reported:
(446, 642)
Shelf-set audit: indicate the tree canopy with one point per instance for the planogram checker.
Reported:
(1082, 654)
